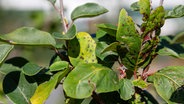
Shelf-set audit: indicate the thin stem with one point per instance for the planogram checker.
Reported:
(161, 2)
(151, 5)
(62, 16)
(59, 54)
(56, 8)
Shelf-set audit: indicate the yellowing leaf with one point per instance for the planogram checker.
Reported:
(82, 49)
(43, 90)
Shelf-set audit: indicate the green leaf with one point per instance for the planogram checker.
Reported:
(87, 10)
(135, 6)
(18, 89)
(108, 28)
(140, 83)
(52, 1)
(179, 38)
(106, 58)
(43, 90)
(167, 81)
(5, 49)
(100, 33)
(59, 65)
(82, 49)
(68, 36)
(168, 52)
(7, 68)
(112, 47)
(167, 45)
(144, 6)
(29, 36)
(31, 69)
(128, 35)
(126, 89)
(101, 46)
(177, 12)
(86, 78)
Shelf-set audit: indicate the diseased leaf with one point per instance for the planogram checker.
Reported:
(87, 10)
(167, 81)
(86, 78)
(31, 69)
(177, 12)
(29, 36)
(68, 36)
(154, 22)
(135, 6)
(43, 90)
(7, 68)
(82, 49)
(130, 39)
(144, 6)
(59, 65)
(108, 28)
(18, 89)
(5, 49)
(126, 89)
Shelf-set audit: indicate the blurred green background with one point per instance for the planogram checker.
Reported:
(41, 15)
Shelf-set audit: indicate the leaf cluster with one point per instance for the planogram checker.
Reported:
(105, 68)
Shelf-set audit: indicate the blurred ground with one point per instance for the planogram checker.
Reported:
(40, 14)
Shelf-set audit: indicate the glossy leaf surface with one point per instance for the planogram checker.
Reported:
(29, 36)
(31, 69)
(5, 49)
(7, 68)
(167, 81)
(126, 89)
(82, 49)
(68, 36)
(59, 65)
(128, 35)
(108, 28)
(86, 78)
(87, 10)
(177, 12)
(18, 89)
(43, 90)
